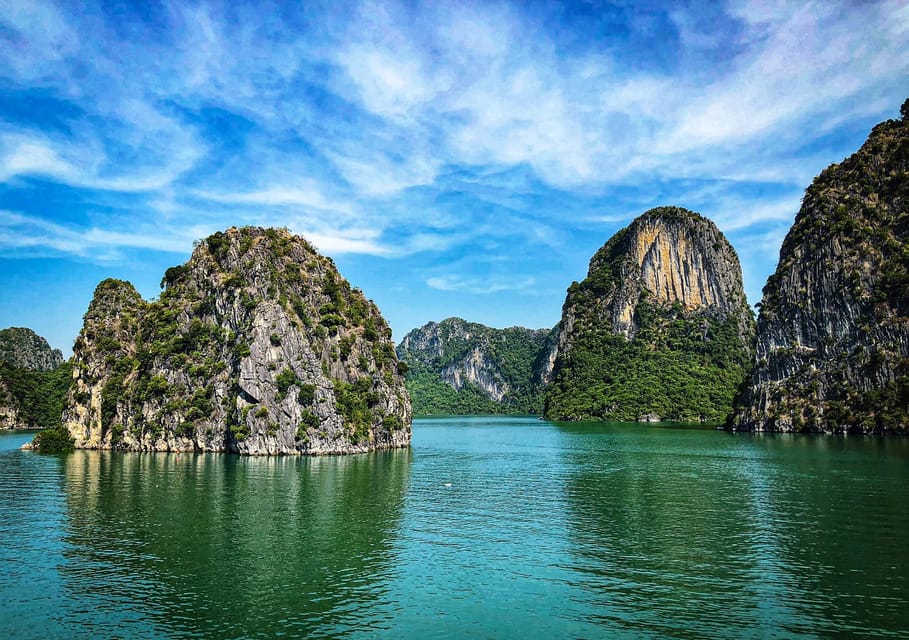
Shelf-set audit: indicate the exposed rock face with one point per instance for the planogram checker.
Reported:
(544, 364)
(660, 326)
(832, 351)
(9, 409)
(22, 348)
(464, 367)
(256, 345)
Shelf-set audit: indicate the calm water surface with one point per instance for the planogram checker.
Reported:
(486, 528)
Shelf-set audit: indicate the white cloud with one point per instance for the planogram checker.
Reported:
(375, 173)
(38, 34)
(21, 231)
(389, 85)
(478, 286)
(737, 213)
(803, 62)
(334, 245)
(491, 95)
(281, 196)
(26, 155)
(333, 130)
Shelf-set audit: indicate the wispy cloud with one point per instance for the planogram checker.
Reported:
(18, 231)
(280, 196)
(440, 131)
(475, 286)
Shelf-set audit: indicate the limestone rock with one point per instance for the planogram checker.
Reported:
(22, 348)
(33, 381)
(465, 367)
(832, 351)
(659, 326)
(9, 408)
(257, 345)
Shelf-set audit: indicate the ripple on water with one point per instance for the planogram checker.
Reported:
(486, 528)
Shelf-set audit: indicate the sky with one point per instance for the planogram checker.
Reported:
(454, 158)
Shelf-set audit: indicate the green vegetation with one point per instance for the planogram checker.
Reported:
(308, 421)
(678, 364)
(285, 380)
(54, 440)
(840, 297)
(306, 394)
(510, 357)
(22, 348)
(38, 395)
(679, 368)
(174, 364)
(430, 395)
(174, 275)
(355, 404)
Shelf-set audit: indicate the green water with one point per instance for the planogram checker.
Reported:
(486, 528)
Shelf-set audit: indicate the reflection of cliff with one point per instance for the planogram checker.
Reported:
(649, 515)
(692, 534)
(229, 546)
(839, 512)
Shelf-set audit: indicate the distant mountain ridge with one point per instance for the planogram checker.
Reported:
(460, 367)
(33, 380)
(22, 348)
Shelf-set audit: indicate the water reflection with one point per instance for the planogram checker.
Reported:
(492, 529)
(690, 533)
(178, 545)
(840, 508)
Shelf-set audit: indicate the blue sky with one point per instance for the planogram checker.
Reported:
(455, 158)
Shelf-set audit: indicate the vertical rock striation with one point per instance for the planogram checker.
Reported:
(659, 328)
(10, 417)
(256, 345)
(832, 351)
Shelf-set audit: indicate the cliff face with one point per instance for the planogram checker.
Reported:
(463, 367)
(22, 348)
(659, 328)
(9, 408)
(832, 351)
(256, 345)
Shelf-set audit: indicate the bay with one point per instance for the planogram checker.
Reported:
(485, 528)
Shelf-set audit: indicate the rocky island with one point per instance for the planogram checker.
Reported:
(832, 350)
(459, 367)
(660, 328)
(256, 345)
(33, 380)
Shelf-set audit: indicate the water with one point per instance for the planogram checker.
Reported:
(486, 528)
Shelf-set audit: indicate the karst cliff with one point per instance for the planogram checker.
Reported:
(460, 367)
(256, 345)
(33, 380)
(832, 350)
(659, 329)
